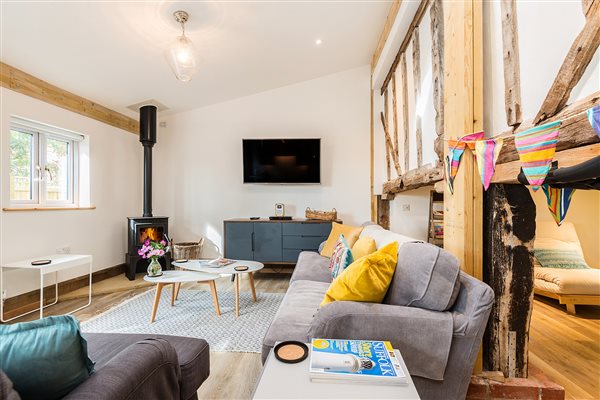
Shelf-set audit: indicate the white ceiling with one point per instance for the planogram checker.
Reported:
(113, 52)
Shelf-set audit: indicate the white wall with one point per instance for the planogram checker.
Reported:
(116, 191)
(198, 166)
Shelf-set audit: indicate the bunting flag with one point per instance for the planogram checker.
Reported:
(456, 148)
(486, 153)
(536, 147)
(593, 115)
(558, 201)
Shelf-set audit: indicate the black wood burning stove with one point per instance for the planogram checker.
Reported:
(146, 227)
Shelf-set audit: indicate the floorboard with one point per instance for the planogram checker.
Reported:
(565, 347)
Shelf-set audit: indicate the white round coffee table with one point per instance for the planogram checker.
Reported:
(202, 266)
(176, 278)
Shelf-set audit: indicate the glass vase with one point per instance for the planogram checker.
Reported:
(154, 268)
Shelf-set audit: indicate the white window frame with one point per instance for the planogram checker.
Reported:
(39, 175)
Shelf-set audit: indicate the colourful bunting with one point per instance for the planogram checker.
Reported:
(536, 147)
(593, 115)
(558, 201)
(486, 153)
(456, 148)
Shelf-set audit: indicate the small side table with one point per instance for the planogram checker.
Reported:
(291, 381)
(175, 279)
(58, 262)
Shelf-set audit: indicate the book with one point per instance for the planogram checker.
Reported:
(361, 361)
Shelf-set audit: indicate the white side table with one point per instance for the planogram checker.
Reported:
(176, 278)
(59, 262)
(201, 266)
(291, 381)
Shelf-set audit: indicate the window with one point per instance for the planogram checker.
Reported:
(43, 164)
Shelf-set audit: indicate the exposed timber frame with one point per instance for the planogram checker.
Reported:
(21, 82)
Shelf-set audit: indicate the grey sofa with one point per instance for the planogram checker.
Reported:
(433, 312)
(134, 366)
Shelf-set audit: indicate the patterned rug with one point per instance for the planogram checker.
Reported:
(194, 316)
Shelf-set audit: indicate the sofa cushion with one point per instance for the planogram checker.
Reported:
(341, 258)
(311, 267)
(193, 355)
(383, 236)
(295, 315)
(426, 277)
(46, 358)
(364, 246)
(367, 279)
(351, 234)
(6, 388)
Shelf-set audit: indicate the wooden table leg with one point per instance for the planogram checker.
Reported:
(237, 295)
(159, 287)
(251, 275)
(173, 293)
(213, 289)
(178, 286)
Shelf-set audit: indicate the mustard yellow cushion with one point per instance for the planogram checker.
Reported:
(350, 233)
(363, 247)
(366, 279)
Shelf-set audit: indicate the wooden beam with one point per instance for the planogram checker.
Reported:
(426, 175)
(389, 22)
(383, 212)
(390, 145)
(21, 82)
(416, 61)
(395, 112)
(405, 138)
(577, 60)
(510, 229)
(586, 5)
(372, 154)
(414, 24)
(575, 129)
(508, 172)
(387, 144)
(436, 15)
(510, 50)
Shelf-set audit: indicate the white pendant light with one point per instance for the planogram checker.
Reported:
(181, 53)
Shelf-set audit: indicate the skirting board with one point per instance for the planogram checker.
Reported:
(31, 300)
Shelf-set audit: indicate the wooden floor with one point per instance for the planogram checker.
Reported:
(566, 348)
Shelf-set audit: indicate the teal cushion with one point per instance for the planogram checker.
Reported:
(45, 359)
(565, 259)
(341, 257)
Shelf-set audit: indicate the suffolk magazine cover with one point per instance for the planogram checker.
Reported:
(355, 360)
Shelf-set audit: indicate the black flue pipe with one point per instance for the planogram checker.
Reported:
(148, 139)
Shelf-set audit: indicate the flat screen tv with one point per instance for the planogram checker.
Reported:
(282, 160)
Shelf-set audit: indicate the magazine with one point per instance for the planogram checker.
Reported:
(363, 361)
(219, 262)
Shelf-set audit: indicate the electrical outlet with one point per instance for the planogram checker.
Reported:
(405, 207)
(64, 250)
(3, 295)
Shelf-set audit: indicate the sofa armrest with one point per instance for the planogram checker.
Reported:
(422, 336)
(146, 369)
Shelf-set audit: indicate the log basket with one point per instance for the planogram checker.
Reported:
(321, 215)
(188, 250)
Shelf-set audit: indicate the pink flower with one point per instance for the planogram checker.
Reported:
(161, 253)
(163, 242)
(147, 242)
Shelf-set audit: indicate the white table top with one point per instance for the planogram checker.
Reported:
(181, 276)
(62, 260)
(200, 265)
(291, 381)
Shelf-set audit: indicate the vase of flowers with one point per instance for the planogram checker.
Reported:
(153, 251)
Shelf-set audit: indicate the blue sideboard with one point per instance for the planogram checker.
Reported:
(273, 242)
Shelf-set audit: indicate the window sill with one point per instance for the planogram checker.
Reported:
(47, 208)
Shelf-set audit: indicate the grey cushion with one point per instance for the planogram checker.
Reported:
(311, 266)
(193, 355)
(295, 315)
(6, 388)
(425, 277)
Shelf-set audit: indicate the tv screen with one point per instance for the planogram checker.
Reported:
(282, 160)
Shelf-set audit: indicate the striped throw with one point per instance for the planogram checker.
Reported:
(558, 200)
(486, 153)
(536, 147)
(565, 259)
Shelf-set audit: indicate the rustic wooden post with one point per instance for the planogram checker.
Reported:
(416, 58)
(509, 231)
(383, 212)
(510, 50)
(405, 139)
(387, 145)
(436, 15)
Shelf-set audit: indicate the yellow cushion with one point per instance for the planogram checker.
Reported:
(350, 234)
(366, 279)
(363, 247)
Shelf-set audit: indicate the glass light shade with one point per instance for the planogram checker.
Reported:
(182, 59)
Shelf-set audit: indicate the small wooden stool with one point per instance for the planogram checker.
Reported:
(175, 279)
